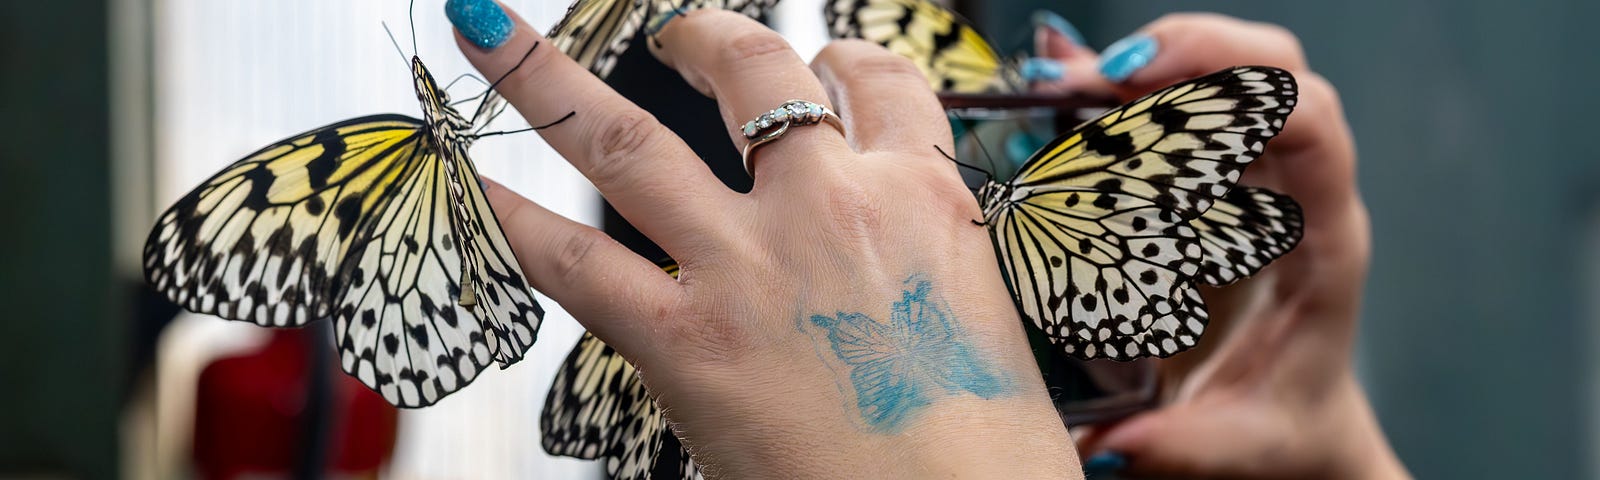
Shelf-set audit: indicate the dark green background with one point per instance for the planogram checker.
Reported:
(61, 340)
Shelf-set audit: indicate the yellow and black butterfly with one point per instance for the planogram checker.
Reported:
(378, 222)
(596, 32)
(1075, 227)
(948, 50)
(1104, 232)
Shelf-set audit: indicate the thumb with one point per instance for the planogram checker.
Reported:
(1182, 440)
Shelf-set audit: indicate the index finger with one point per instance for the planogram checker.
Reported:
(646, 171)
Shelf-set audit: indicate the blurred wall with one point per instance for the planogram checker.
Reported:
(1472, 119)
(60, 383)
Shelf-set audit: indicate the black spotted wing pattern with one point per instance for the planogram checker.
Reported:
(1094, 231)
(1244, 231)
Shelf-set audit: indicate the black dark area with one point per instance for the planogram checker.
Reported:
(694, 117)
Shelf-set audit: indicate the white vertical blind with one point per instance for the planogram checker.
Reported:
(233, 76)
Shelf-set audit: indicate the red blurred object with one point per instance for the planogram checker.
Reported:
(256, 415)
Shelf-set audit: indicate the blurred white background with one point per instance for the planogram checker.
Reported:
(231, 77)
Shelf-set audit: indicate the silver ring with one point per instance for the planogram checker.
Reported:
(771, 125)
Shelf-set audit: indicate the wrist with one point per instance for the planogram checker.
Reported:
(972, 438)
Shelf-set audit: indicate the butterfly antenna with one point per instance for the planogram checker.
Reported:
(961, 164)
(411, 14)
(396, 43)
(979, 139)
(468, 99)
(508, 73)
(465, 76)
(520, 130)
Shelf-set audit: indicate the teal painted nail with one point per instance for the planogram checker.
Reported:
(1127, 56)
(1037, 69)
(1049, 19)
(481, 21)
(1105, 462)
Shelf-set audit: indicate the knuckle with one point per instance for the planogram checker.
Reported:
(711, 336)
(1191, 20)
(951, 199)
(1316, 92)
(1284, 41)
(617, 141)
(574, 254)
(876, 64)
(751, 43)
(851, 210)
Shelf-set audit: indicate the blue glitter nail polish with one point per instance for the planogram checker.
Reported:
(1038, 69)
(1127, 56)
(1049, 19)
(481, 21)
(1105, 462)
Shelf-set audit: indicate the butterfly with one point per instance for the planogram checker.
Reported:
(378, 222)
(1102, 242)
(1104, 232)
(596, 32)
(945, 46)
(598, 408)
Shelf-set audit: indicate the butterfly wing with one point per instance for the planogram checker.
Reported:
(598, 408)
(596, 32)
(505, 300)
(945, 46)
(1244, 231)
(400, 326)
(1094, 232)
(266, 239)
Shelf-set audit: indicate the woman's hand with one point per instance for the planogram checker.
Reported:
(845, 319)
(1269, 393)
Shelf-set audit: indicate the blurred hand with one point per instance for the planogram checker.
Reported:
(828, 324)
(1269, 393)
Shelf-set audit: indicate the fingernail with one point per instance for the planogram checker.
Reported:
(1039, 69)
(1049, 19)
(481, 21)
(483, 184)
(1104, 462)
(1122, 59)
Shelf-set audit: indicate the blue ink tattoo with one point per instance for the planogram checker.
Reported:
(901, 366)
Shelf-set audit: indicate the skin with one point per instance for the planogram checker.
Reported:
(1273, 375)
(738, 348)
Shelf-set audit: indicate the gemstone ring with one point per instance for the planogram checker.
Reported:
(771, 125)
